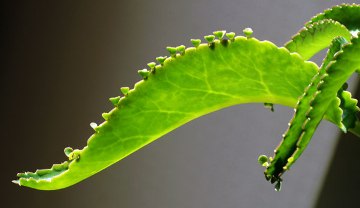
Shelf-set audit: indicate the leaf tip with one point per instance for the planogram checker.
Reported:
(16, 182)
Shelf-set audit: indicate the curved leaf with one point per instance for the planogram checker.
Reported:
(315, 37)
(222, 73)
(204, 79)
(346, 14)
(308, 114)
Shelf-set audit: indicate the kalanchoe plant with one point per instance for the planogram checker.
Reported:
(227, 70)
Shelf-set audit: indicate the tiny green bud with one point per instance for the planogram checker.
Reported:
(21, 175)
(219, 34)
(125, 90)
(144, 73)
(248, 32)
(263, 160)
(209, 38)
(181, 49)
(161, 59)
(172, 51)
(68, 151)
(93, 125)
(75, 155)
(230, 35)
(115, 100)
(151, 65)
(195, 42)
(105, 116)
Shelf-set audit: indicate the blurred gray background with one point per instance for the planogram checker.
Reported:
(62, 60)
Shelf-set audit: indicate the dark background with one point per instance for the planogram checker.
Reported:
(62, 60)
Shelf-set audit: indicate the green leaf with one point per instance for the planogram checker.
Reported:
(216, 75)
(308, 114)
(346, 14)
(315, 37)
(350, 110)
(209, 79)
